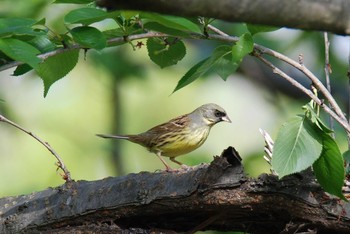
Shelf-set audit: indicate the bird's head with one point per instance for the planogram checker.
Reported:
(212, 114)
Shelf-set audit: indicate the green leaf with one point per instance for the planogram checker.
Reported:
(17, 26)
(74, 1)
(297, 147)
(22, 69)
(89, 37)
(191, 75)
(85, 16)
(173, 22)
(346, 156)
(154, 26)
(329, 167)
(315, 118)
(242, 47)
(20, 51)
(163, 54)
(254, 28)
(56, 67)
(203, 66)
(43, 44)
(116, 32)
(225, 67)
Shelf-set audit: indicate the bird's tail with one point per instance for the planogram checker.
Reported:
(113, 136)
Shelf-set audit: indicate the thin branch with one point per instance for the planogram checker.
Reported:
(306, 91)
(60, 163)
(328, 70)
(216, 30)
(300, 66)
(110, 42)
(316, 82)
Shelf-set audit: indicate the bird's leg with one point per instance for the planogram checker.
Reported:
(159, 155)
(175, 161)
(184, 166)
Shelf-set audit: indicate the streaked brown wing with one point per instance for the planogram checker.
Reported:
(170, 126)
(158, 133)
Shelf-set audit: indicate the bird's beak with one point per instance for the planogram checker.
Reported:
(226, 119)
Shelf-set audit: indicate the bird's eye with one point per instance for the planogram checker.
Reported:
(218, 113)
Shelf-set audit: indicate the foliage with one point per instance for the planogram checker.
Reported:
(304, 141)
(29, 44)
(23, 39)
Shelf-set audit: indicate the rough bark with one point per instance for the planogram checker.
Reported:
(218, 196)
(324, 15)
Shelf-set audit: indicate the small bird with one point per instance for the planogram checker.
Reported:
(180, 135)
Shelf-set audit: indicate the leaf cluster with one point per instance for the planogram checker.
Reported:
(305, 141)
(33, 46)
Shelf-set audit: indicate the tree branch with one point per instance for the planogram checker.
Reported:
(323, 15)
(218, 196)
(338, 115)
(110, 42)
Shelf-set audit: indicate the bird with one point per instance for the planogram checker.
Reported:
(179, 135)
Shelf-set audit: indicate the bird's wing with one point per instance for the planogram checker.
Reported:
(170, 126)
(159, 132)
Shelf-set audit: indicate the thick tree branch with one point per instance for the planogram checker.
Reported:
(217, 196)
(324, 15)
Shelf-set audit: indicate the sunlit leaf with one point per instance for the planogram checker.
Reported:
(56, 67)
(203, 66)
(297, 147)
(191, 75)
(315, 118)
(242, 47)
(20, 51)
(85, 16)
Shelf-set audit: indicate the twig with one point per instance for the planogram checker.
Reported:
(316, 82)
(60, 163)
(327, 71)
(216, 30)
(259, 50)
(110, 42)
(308, 92)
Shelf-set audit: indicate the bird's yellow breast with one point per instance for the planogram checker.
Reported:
(182, 143)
